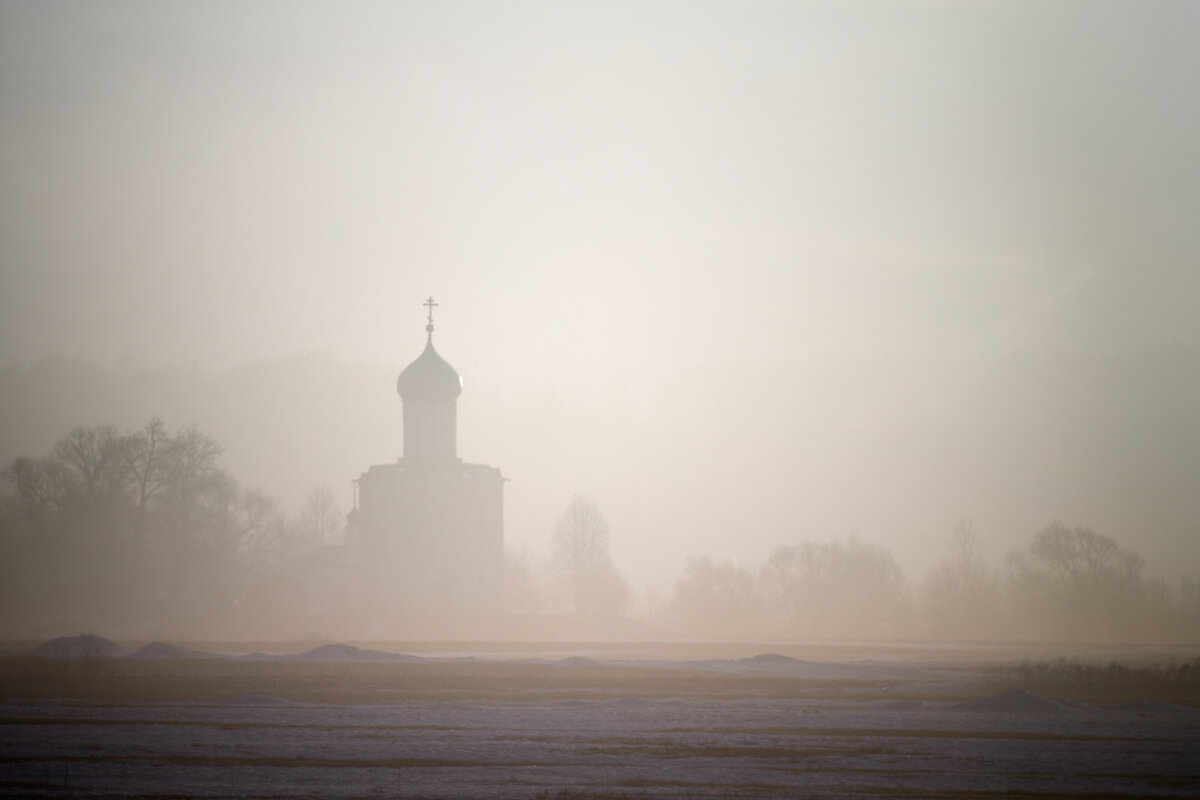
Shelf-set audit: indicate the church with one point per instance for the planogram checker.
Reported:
(429, 528)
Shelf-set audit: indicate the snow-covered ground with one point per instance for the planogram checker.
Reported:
(889, 739)
(260, 747)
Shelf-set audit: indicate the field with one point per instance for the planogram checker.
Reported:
(605, 721)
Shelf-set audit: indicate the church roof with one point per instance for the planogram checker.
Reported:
(430, 377)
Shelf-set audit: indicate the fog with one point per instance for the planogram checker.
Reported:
(746, 276)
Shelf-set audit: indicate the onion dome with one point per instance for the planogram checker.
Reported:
(430, 377)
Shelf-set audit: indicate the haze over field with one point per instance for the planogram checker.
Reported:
(744, 274)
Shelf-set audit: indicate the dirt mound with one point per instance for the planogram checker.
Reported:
(348, 652)
(165, 650)
(81, 647)
(769, 659)
(1012, 701)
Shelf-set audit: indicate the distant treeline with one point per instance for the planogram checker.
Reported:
(1068, 584)
(142, 532)
(873, 443)
(136, 530)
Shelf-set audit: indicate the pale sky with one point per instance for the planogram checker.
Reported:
(608, 199)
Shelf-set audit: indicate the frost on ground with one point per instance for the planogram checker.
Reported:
(760, 727)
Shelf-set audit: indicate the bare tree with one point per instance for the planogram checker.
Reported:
(94, 459)
(39, 491)
(321, 518)
(835, 588)
(193, 464)
(261, 528)
(1077, 583)
(717, 598)
(961, 595)
(147, 454)
(581, 562)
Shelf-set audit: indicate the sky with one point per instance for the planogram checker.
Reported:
(612, 202)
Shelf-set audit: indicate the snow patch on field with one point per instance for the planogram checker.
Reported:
(1013, 701)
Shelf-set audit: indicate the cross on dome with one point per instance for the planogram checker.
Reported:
(429, 304)
(429, 377)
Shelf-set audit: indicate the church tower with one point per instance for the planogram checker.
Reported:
(429, 388)
(430, 527)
